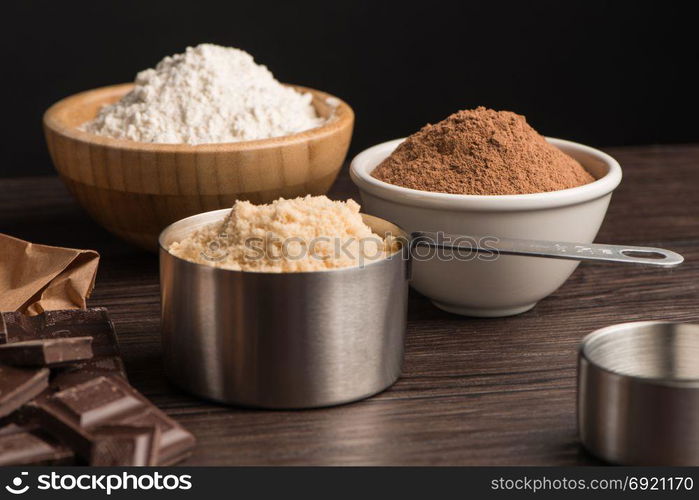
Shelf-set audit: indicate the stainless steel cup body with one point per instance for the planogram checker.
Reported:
(638, 393)
(282, 340)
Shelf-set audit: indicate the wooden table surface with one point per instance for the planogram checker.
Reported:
(473, 391)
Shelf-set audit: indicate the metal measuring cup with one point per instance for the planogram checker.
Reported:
(638, 393)
(282, 340)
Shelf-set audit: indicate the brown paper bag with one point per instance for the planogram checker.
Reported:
(37, 278)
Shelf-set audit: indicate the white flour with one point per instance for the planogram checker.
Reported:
(207, 94)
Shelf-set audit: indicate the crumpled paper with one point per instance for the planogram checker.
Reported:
(37, 278)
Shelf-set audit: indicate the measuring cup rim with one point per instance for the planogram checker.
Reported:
(215, 215)
(584, 354)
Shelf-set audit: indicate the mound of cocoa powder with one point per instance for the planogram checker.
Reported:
(483, 152)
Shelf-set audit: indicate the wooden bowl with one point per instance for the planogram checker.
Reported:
(136, 189)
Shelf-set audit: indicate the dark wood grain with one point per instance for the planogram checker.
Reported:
(474, 391)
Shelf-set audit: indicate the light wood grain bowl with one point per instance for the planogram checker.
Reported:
(136, 189)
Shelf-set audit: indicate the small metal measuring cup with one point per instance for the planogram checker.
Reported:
(282, 340)
(638, 393)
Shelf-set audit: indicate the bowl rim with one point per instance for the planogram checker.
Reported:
(588, 340)
(364, 163)
(222, 212)
(342, 117)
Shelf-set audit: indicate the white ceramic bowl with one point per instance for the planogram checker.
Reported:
(510, 284)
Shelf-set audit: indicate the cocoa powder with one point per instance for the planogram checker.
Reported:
(482, 152)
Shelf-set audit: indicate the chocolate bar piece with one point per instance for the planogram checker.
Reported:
(87, 404)
(31, 446)
(176, 442)
(46, 352)
(3, 330)
(84, 371)
(78, 413)
(95, 402)
(50, 325)
(20, 385)
(70, 413)
(125, 445)
(92, 322)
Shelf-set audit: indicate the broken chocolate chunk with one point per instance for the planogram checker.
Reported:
(125, 445)
(78, 413)
(68, 324)
(176, 442)
(84, 371)
(95, 401)
(20, 445)
(85, 410)
(3, 330)
(20, 385)
(92, 322)
(46, 352)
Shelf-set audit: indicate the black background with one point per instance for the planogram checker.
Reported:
(598, 72)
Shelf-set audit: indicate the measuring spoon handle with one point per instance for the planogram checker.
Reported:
(550, 249)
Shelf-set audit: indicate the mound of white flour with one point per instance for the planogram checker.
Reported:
(207, 94)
